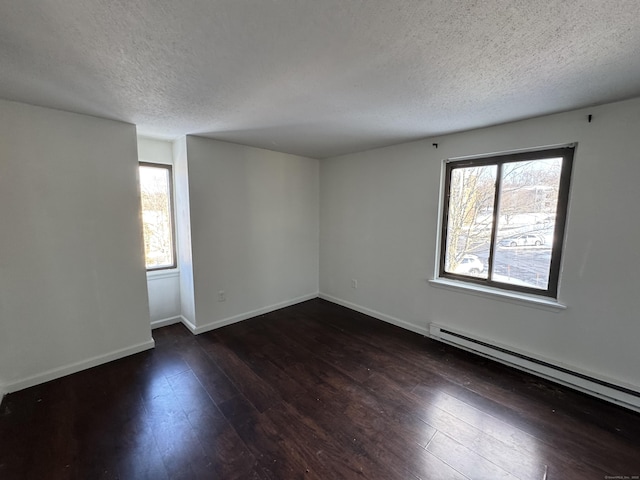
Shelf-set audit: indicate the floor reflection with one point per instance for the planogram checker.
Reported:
(476, 443)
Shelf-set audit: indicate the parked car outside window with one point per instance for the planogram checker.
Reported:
(469, 265)
(524, 240)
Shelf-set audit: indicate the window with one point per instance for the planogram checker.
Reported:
(157, 215)
(504, 218)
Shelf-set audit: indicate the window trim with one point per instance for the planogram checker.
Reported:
(567, 152)
(509, 296)
(172, 222)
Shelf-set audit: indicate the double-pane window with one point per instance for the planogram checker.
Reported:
(504, 219)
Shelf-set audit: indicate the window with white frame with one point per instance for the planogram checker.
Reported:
(157, 215)
(503, 220)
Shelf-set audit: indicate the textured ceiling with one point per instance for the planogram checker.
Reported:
(318, 77)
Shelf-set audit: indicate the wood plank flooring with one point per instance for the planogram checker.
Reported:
(313, 391)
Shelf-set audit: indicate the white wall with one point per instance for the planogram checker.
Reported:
(379, 217)
(164, 298)
(254, 229)
(154, 150)
(183, 225)
(163, 286)
(72, 279)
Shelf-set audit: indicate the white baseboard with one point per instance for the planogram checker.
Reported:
(166, 322)
(422, 330)
(187, 323)
(196, 330)
(65, 370)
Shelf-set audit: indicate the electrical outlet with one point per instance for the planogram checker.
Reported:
(354, 283)
(221, 296)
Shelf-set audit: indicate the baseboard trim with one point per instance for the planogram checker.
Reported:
(375, 314)
(187, 323)
(75, 367)
(196, 330)
(166, 322)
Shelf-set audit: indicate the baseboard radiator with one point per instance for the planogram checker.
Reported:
(606, 389)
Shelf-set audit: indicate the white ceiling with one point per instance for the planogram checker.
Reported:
(318, 77)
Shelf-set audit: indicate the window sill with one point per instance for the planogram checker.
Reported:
(166, 273)
(504, 295)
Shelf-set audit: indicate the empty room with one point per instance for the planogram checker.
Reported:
(296, 239)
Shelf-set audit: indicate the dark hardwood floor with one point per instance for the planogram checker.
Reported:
(313, 391)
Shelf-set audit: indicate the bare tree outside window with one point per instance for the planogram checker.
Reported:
(504, 220)
(157, 216)
(470, 214)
